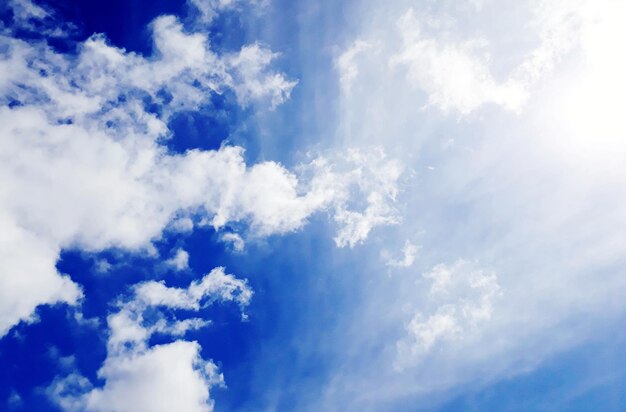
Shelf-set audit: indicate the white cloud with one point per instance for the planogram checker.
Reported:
(181, 225)
(458, 67)
(164, 377)
(128, 327)
(180, 260)
(82, 164)
(376, 178)
(346, 64)
(209, 9)
(65, 391)
(454, 75)
(252, 82)
(358, 188)
(535, 196)
(409, 252)
(28, 275)
(463, 299)
(217, 285)
(24, 10)
(102, 266)
(558, 26)
(235, 240)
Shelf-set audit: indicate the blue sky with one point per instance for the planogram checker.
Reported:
(250, 205)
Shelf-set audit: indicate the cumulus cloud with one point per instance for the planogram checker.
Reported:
(83, 164)
(235, 240)
(29, 277)
(180, 260)
(164, 377)
(251, 81)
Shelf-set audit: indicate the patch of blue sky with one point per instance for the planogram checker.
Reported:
(588, 377)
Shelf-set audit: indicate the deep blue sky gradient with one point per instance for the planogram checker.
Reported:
(300, 280)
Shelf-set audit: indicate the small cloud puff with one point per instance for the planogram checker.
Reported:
(234, 239)
(409, 252)
(180, 260)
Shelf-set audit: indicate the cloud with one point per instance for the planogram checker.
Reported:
(464, 298)
(235, 240)
(24, 10)
(217, 285)
(28, 276)
(460, 68)
(65, 391)
(83, 162)
(376, 178)
(180, 260)
(409, 251)
(252, 82)
(209, 9)
(128, 327)
(454, 75)
(163, 377)
(534, 196)
(346, 65)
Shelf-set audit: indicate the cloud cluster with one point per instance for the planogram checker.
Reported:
(535, 196)
(164, 377)
(83, 163)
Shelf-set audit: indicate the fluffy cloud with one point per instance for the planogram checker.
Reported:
(250, 80)
(235, 240)
(29, 277)
(180, 260)
(164, 377)
(217, 285)
(83, 164)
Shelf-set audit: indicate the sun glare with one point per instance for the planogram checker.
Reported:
(592, 106)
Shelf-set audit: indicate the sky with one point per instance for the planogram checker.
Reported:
(273, 205)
